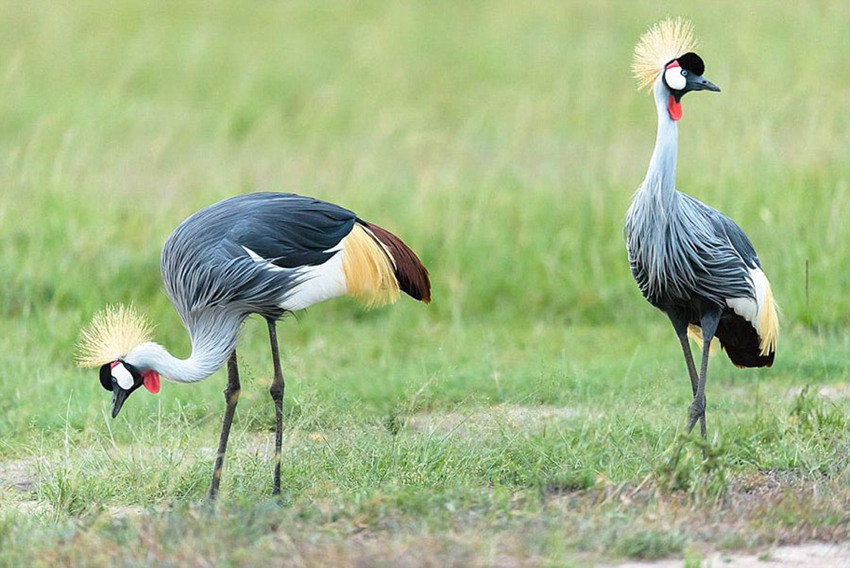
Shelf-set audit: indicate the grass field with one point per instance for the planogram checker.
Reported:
(526, 417)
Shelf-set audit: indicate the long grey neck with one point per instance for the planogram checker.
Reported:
(213, 340)
(660, 181)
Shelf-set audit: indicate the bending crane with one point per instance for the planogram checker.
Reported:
(263, 253)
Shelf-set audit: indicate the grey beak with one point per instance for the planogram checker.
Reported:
(700, 83)
(119, 395)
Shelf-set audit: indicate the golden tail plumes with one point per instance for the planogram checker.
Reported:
(768, 322)
(368, 269)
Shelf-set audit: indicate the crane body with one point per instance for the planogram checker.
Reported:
(688, 259)
(263, 253)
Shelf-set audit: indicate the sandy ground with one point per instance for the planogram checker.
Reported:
(811, 555)
(17, 475)
(829, 392)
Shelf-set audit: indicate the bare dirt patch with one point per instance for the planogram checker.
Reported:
(811, 555)
(16, 474)
(829, 392)
(18, 478)
(764, 518)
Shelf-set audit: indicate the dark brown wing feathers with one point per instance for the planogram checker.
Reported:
(412, 276)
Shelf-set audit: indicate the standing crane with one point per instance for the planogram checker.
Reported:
(262, 253)
(689, 260)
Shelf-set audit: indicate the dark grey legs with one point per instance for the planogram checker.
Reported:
(231, 397)
(692, 372)
(709, 322)
(276, 391)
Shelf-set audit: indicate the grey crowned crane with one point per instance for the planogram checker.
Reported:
(689, 260)
(263, 253)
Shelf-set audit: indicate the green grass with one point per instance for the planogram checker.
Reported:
(530, 413)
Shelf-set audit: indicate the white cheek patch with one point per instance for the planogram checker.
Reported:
(674, 78)
(122, 376)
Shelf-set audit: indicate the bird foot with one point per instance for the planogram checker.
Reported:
(696, 413)
(696, 410)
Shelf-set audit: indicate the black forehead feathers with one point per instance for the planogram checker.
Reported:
(692, 62)
(106, 376)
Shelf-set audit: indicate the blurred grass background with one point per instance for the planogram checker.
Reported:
(503, 141)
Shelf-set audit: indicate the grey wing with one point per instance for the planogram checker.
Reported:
(211, 258)
(740, 241)
(288, 230)
(728, 228)
(721, 255)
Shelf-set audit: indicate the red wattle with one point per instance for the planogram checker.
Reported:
(674, 108)
(151, 381)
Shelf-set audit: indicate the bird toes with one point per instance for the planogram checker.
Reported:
(696, 410)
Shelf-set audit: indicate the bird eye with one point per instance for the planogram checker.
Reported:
(684, 73)
(675, 78)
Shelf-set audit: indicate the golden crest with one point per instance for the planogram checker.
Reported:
(661, 43)
(112, 333)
